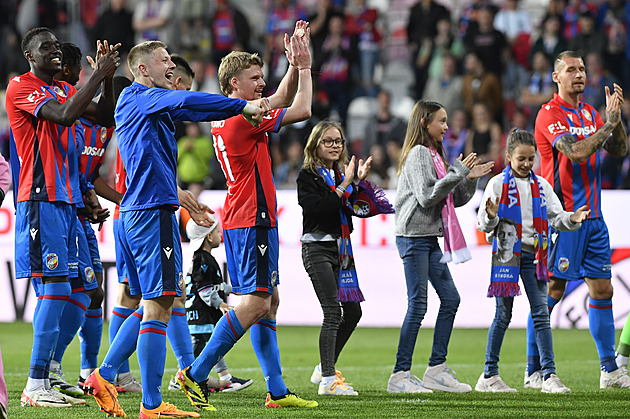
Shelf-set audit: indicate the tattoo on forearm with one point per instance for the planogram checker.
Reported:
(617, 144)
(581, 150)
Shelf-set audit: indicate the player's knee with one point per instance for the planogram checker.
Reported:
(179, 302)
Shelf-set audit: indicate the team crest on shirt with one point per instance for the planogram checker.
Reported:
(59, 91)
(563, 264)
(103, 134)
(274, 278)
(89, 274)
(52, 261)
(586, 114)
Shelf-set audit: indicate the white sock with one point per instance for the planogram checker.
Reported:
(33, 384)
(85, 372)
(622, 361)
(226, 377)
(327, 380)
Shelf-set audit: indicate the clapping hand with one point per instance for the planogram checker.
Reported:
(477, 169)
(492, 207)
(364, 168)
(580, 214)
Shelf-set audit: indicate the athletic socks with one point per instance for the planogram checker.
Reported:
(119, 315)
(227, 332)
(71, 320)
(265, 343)
(122, 347)
(602, 327)
(533, 357)
(179, 338)
(623, 350)
(151, 358)
(46, 328)
(90, 337)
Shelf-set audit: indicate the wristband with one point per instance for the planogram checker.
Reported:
(341, 189)
(303, 68)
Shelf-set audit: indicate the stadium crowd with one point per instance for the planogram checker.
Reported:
(488, 62)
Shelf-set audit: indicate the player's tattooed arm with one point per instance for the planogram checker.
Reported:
(580, 151)
(617, 144)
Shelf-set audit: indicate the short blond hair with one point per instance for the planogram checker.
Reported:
(140, 52)
(232, 65)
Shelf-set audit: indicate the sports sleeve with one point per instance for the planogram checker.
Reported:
(552, 123)
(272, 122)
(27, 95)
(179, 103)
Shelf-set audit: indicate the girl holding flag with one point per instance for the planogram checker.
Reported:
(329, 199)
(517, 197)
(428, 191)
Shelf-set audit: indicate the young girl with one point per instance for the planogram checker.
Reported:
(428, 192)
(518, 197)
(329, 198)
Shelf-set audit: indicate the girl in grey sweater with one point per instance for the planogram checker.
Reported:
(428, 191)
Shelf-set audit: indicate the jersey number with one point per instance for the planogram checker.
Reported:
(222, 155)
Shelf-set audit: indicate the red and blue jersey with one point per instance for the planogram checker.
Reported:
(96, 141)
(46, 151)
(243, 153)
(576, 184)
(121, 178)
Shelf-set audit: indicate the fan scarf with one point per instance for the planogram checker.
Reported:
(370, 201)
(504, 279)
(454, 243)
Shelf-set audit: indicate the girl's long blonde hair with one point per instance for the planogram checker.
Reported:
(311, 160)
(422, 115)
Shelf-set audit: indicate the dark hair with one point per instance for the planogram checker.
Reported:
(517, 137)
(26, 41)
(182, 65)
(120, 82)
(71, 54)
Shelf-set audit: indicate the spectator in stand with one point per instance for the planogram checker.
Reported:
(193, 15)
(480, 85)
(541, 86)
(487, 41)
(598, 78)
(455, 138)
(379, 171)
(115, 23)
(512, 21)
(447, 86)
(361, 23)
(384, 126)
(571, 16)
(153, 21)
(286, 172)
(484, 138)
(319, 23)
(589, 39)
(422, 25)
(468, 21)
(611, 21)
(550, 41)
(514, 79)
(393, 149)
(230, 31)
(194, 153)
(280, 20)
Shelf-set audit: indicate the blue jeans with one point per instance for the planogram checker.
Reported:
(421, 261)
(537, 295)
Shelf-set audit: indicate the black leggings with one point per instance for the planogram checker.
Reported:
(321, 261)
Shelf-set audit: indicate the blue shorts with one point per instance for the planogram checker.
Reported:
(582, 253)
(45, 239)
(121, 267)
(86, 280)
(151, 247)
(252, 258)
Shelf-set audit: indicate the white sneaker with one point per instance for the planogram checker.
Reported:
(441, 377)
(58, 380)
(535, 380)
(336, 388)
(616, 379)
(404, 382)
(554, 385)
(493, 384)
(42, 398)
(174, 384)
(126, 382)
(316, 377)
(74, 401)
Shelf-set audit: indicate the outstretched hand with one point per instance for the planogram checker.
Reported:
(580, 214)
(364, 168)
(107, 58)
(492, 207)
(477, 169)
(614, 103)
(349, 172)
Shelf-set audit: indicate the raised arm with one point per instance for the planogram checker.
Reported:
(300, 109)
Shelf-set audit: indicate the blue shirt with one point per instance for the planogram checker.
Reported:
(146, 138)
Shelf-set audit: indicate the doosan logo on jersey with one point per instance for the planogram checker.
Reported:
(93, 151)
(583, 131)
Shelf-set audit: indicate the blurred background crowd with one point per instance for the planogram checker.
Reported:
(488, 62)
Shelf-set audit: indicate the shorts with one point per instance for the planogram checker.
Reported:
(582, 253)
(252, 258)
(152, 251)
(45, 239)
(86, 280)
(121, 267)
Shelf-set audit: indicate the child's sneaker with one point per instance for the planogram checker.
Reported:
(554, 385)
(404, 382)
(238, 384)
(165, 410)
(533, 380)
(493, 384)
(615, 379)
(336, 388)
(288, 400)
(441, 377)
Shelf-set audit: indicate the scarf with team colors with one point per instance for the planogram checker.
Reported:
(371, 200)
(504, 279)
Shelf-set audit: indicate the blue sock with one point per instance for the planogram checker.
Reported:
(227, 332)
(119, 315)
(90, 334)
(152, 357)
(179, 337)
(533, 357)
(71, 320)
(122, 347)
(602, 326)
(265, 343)
(46, 328)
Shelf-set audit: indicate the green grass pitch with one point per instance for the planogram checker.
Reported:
(366, 362)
